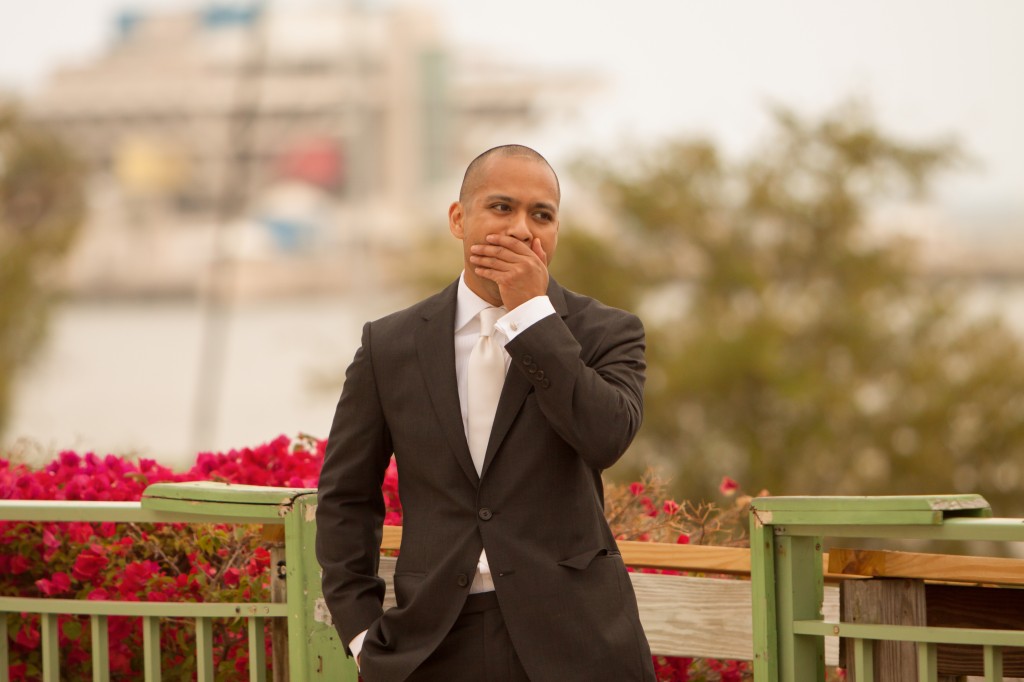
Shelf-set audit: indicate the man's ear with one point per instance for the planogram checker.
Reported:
(455, 218)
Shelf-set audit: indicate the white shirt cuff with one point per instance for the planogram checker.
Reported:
(356, 646)
(515, 322)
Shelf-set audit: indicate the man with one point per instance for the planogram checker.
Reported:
(508, 570)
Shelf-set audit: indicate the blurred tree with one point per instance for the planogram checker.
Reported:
(41, 208)
(789, 346)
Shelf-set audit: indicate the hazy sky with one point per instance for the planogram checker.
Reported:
(927, 67)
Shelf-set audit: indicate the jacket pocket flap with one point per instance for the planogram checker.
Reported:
(581, 561)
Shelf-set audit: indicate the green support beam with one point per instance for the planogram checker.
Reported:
(762, 576)
(993, 659)
(151, 649)
(204, 650)
(100, 648)
(51, 647)
(314, 651)
(257, 650)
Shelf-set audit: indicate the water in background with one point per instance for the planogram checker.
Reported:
(121, 377)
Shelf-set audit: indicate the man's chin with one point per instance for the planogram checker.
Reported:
(484, 288)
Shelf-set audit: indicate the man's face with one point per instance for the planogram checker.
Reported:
(516, 196)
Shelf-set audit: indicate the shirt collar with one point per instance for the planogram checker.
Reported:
(467, 304)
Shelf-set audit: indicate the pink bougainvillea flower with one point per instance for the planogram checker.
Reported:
(89, 563)
(99, 594)
(649, 507)
(728, 486)
(231, 577)
(19, 564)
(80, 532)
(135, 575)
(28, 636)
(683, 539)
(59, 583)
(636, 488)
(670, 507)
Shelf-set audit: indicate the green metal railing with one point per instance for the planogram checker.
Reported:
(786, 573)
(786, 537)
(314, 652)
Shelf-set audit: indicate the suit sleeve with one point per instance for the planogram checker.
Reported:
(591, 392)
(350, 504)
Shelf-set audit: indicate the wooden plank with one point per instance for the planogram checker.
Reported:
(708, 617)
(885, 602)
(694, 558)
(661, 555)
(392, 538)
(942, 567)
(687, 616)
(975, 607)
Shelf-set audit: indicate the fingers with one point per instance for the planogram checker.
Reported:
(505, 249)
(538, 249)
(517, 267)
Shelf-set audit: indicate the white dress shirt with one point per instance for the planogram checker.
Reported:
(467, 330)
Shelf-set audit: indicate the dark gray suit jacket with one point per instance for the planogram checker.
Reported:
(571, 404)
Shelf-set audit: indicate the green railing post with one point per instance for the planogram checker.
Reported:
(314, 651)
(799, 589)
(4, 662)
(762, 577)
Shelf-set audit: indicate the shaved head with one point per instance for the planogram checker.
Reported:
(473, 172)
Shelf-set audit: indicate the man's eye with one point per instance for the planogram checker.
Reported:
(501, 207)
(542, 215)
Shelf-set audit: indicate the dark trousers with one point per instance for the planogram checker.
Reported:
(476, 649)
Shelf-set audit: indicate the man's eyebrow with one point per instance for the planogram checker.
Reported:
(500, 197)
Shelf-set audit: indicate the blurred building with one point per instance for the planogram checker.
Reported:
(311, 129)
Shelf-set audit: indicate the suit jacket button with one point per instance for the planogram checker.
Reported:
(485, 514)
(545, 383)
(462, 580)
(540, 374)
(531, 369)
(527, 359)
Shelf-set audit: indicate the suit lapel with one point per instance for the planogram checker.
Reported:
(435, 347)
(516, 388)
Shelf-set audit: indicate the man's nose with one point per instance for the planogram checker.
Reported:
(519, 228)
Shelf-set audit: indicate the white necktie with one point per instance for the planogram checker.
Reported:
(486, 377)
